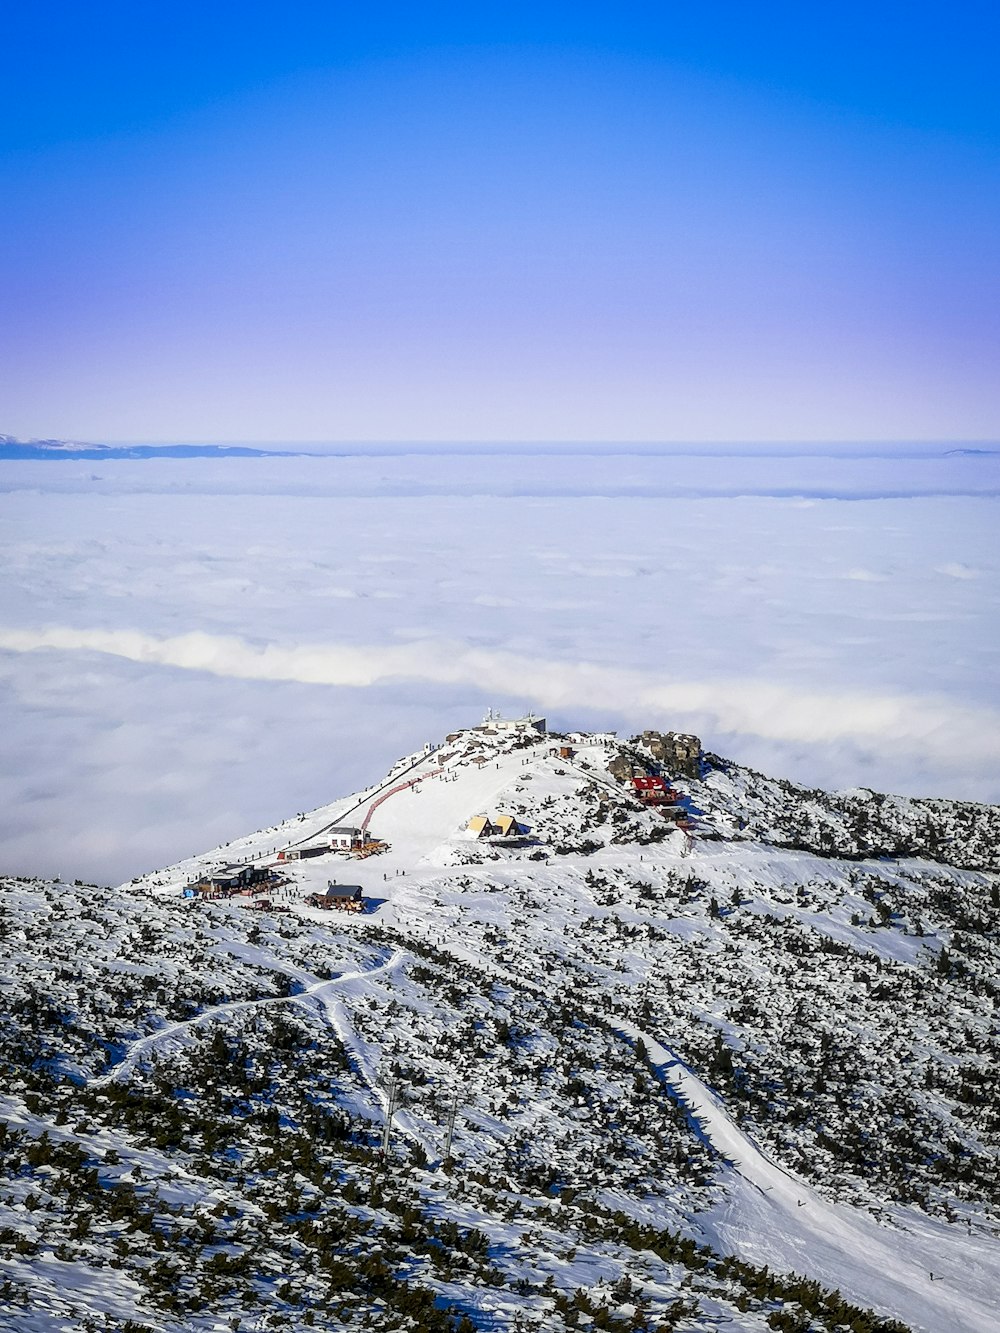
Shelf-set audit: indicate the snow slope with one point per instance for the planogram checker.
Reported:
(647, 1042)
(931, 1275)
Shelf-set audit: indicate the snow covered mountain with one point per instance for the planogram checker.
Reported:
(704, 1050)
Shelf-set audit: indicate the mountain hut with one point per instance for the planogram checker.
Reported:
(345, 837)
(506, 826)
(339, 898)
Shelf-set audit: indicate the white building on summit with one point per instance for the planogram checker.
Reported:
(495, 722)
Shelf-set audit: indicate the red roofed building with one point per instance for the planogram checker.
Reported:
(654, 791)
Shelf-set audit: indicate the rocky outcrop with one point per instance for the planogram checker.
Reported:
(674, 751)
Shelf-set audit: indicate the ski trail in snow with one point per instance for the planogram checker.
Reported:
(772, 1216)
(925, 1273)
(318, 990)
(375, 793)
(361, 1053)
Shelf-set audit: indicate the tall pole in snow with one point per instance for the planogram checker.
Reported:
(452, 1115)
(395, 1096)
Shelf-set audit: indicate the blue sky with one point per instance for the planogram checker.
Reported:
(642, 222)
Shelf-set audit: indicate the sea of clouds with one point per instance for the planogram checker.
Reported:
(193, 648)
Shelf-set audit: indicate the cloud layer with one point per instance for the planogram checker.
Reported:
(947, 733)
(195, 649)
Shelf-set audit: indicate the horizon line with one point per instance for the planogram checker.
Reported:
(990, 442)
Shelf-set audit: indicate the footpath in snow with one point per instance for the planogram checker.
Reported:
(320, 990)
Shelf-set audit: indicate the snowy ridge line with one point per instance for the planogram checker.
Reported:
(226, 851)
(145, 1044)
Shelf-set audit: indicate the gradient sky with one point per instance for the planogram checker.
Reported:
(331, 222)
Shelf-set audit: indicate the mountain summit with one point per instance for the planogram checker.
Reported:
(539, 1031)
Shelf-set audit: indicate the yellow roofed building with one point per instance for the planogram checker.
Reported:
(506, 826)
(480, 826)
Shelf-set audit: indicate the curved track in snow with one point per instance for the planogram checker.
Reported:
(929, 1275)
(319, 990)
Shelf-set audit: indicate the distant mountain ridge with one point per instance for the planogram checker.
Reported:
(68, 450)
